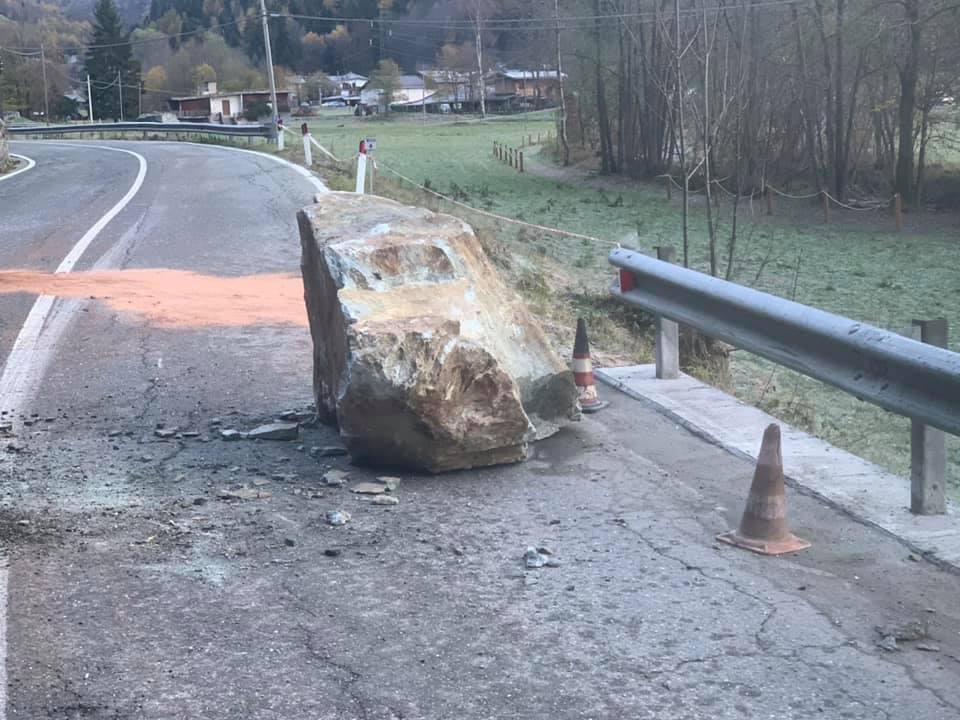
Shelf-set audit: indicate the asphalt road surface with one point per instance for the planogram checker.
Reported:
(139, 586)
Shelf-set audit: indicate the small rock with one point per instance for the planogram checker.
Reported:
(214, 422)
(289, 542)
(385, 500)
(458, 551)
(907, 632)
(544, 550)
(368, 488)
(913, 558)
(299, 448)
(229, 434)
(296, 415)
(146, 458)
(199, 501)
(337, 517)
(389, 482)
(331, 552)
(335, 478)
(260, 482)
(275, 431)
(889, 643)
(328, 451)
(244, 493)
(23, 522)
(164, 434)
(926, 647)
(283, 477)
(533, 559)
(190, 434)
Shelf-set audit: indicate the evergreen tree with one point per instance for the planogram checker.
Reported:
(111, 66)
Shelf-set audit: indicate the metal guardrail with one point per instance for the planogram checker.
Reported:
(141, 128)
(907, 377)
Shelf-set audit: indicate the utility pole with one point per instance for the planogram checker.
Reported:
(480, 82)
(139, 98)
(120, 90)
(46, 94)
(562, 123)
(274, 129)
(89, 102)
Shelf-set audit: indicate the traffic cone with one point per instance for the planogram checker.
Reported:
(763, 528)
(583, 372)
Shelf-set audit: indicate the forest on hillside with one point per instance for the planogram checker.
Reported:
(840, 96)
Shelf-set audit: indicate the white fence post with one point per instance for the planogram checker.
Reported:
(361, 172)
(307, 150)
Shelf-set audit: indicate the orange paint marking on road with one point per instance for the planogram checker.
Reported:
(175, 298)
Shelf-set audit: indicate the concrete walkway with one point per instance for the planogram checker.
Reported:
(847, 482)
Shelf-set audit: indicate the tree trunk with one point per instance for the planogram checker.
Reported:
(562, 120)
(906, 109)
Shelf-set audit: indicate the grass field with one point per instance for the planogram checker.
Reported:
(857, 266)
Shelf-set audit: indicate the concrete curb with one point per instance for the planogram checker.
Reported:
(856, 487)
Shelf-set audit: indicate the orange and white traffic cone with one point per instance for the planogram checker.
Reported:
(763, 528)
(583, 372)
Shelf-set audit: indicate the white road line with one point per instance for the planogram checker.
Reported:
(4, 574)
(32, 349)
(313, 179)
(30, 163)
(25, 366)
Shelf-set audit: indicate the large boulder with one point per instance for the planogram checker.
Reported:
(422, 356)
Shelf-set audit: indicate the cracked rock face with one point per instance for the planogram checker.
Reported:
(422, 356)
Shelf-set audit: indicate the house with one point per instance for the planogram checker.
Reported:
(212, 105)
(410, 89)
(539, 88)
(348, 86)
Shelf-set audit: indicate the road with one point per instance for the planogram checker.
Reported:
(138, 588)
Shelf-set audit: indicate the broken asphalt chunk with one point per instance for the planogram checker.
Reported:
(337, 517)
(275, 431)
(369, 488)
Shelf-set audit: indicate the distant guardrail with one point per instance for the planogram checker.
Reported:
(918, 380)
(140, 128)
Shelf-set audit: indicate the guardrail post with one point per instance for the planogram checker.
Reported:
(667, 332)
(928, 453)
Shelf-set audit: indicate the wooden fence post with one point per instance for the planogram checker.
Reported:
(898, 211)
(928, 455)
(521, 161)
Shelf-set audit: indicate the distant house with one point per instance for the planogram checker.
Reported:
(411, 89)
(348, 86)
(539, 88)
(211, 105)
